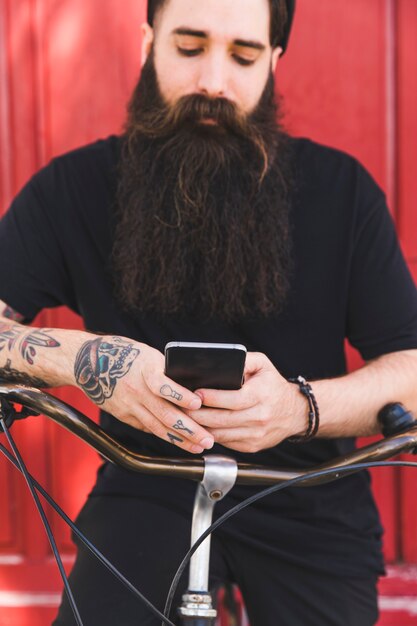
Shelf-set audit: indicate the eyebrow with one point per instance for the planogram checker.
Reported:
(201, 34)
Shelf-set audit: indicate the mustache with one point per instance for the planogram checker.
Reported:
(192, 110)
(189, 114)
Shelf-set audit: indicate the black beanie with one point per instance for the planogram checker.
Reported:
(285, 38)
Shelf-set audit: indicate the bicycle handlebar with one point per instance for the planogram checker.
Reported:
(193, 468)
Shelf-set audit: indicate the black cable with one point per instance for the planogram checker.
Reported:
(262, 494)
(45, 522)
(88, 543)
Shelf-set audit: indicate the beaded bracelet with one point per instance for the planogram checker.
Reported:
(313, 411)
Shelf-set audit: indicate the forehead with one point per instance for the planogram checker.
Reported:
(221, 19)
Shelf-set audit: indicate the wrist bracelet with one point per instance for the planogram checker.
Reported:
(313, 411)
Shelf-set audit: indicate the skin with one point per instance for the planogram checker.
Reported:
(268, 408)
(135, 393)
(220, 65)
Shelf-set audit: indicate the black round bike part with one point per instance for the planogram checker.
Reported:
(395, 418)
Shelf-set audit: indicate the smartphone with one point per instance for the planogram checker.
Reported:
(205, 365)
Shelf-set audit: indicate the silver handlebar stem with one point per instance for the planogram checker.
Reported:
(219, 477)
(220, 474)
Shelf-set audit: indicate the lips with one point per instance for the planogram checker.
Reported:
(209, 121)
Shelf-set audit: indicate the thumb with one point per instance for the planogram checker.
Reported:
(256, 361)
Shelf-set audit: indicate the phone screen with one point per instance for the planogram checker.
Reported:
(205, 365)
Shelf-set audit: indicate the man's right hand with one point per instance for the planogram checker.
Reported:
(127, 379)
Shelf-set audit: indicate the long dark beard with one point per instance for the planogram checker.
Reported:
(202, 224)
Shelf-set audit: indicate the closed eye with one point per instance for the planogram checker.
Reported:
(242, 60)
(190, 52)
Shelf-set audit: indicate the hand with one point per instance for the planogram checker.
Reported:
(126, 378)
(265, 411)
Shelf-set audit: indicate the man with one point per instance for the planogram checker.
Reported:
(206, 222)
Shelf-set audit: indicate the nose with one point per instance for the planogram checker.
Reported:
(213, 77)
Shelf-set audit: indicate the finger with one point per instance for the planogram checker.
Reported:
(256, 361)
(238, 439)
(177, 421)
(238, 446)
(173, 436)
(227, 435)
(164, 387)
(235, 400)
(223, 418)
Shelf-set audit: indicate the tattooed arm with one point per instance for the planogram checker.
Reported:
(124, 377)
(24, 352)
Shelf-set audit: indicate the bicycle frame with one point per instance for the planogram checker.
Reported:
(215, 474)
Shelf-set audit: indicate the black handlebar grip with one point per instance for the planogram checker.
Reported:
(395, 418)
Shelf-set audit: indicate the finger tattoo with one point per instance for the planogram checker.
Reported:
(180, 426)
(169, 392)
(174, 439)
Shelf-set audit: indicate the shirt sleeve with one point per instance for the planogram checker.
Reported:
(382, 302)
(33, 272)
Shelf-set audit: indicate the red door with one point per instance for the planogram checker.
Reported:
(66, 71)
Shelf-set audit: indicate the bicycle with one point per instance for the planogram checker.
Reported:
(215, 475)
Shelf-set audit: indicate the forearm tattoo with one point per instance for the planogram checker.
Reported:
(12, 335)
(11, 314)
(169, 392)
(11, 375)
(99, 364)
(9, 334)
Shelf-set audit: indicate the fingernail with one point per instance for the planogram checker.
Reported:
(197, 449)
(195, 404)
(208, 442)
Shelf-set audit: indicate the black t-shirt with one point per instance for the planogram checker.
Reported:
(349, 281)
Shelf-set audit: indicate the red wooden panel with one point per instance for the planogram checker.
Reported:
(21, 113)
(5, 135)
(27, 616)
(6, 529)
(333, 78)
(81, 102)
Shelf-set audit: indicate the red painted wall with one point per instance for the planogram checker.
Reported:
(67, 68)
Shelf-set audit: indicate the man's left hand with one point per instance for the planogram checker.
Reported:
(267, 409)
